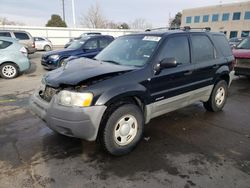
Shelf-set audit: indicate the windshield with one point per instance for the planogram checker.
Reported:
(245, 44)
(78, 43)
(129, 50)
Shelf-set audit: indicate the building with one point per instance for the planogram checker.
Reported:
(232, 19)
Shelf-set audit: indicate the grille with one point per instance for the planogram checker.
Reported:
(48, 93)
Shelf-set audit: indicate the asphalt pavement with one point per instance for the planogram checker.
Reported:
(186, 148)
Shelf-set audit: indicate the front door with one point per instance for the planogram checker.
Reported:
(170, 87)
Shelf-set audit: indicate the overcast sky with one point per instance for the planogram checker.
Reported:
(156, 12)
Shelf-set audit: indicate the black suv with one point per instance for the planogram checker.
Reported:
(136, 78)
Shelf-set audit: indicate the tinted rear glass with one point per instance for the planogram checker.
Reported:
(4, 44)
(5, 34)
(203, 49)
(221, 42)
(21, 36)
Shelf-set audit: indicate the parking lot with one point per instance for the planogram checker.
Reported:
(186, 148)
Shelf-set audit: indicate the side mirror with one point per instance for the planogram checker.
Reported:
(168, 63)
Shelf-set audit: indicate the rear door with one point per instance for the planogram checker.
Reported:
(206, 59)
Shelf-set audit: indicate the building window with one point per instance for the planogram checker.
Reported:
(225, 17)
(233, 34)
(236, 16)
(247, 15)
(245, 33)
(196, 19)
(188, 19)
(215, 17)
(205, 18)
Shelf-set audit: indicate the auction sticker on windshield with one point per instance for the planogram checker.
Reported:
(152, 38)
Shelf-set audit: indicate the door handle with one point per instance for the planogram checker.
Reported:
(186, 73)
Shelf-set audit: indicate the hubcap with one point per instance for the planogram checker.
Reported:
(220, 96)
(9, 71)
(125, 130)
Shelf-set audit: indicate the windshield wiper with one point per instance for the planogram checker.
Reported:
(112, 61)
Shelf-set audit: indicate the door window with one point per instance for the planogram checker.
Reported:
(4, 44)
(5, 34)
(178, 48)
(104, 43)
(91, 45)
(203, 49)
(21, 36)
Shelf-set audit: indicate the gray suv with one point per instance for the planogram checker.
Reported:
(23, 37)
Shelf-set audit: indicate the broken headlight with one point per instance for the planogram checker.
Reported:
(69, 98)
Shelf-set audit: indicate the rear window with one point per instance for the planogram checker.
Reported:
(5, 34)
(222, 44)
(203, 49)
(21, 36)
(4, 44)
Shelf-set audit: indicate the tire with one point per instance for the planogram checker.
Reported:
(218, 97)
(8, 71)
(47, 48)
(61, 62)
(123, 129)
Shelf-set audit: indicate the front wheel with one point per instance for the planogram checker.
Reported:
(8, 70)
(122, 130)
(218, 97)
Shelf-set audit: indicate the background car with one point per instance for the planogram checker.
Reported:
(23, 37)
(42, 43)
(242, 56)
(13, 58)
(233, 42)
(81, 36)
(88, 47)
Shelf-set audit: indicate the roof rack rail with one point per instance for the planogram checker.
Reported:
(161, 28)
(185, 28)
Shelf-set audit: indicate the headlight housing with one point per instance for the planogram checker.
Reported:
(69, 98)
(54, 57)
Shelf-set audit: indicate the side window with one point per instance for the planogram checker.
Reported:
(21, 36)
(178, 48)
(203, 49)
(91, 45)
(4, 44)
(40, 39)
(104, 42)
(5, 34)
(221, 42)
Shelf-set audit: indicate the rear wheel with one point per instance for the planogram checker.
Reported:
(47, 48)
(218, 97)
(122, 130)
(8, 70)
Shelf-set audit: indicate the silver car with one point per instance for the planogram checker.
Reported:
(43, 43)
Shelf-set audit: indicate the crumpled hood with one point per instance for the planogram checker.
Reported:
(79, 70)
(242, 53)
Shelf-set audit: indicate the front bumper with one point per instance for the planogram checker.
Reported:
(49, 64)
(70, 121)
(242, 71)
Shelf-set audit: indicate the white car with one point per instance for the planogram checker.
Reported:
(43, 43)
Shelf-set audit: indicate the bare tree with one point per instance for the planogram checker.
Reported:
(5, 21)
(94, 17)
(140, 23)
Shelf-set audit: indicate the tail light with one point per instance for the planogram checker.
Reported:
(33, 45)
(24, 51)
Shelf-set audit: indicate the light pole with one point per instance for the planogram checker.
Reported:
(73, 13)
(63, 10)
